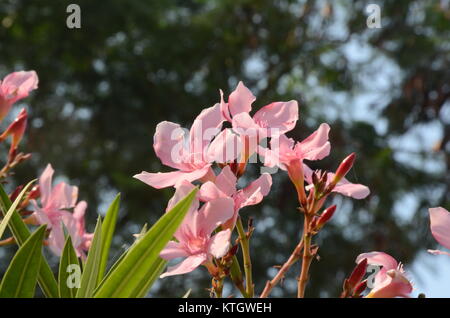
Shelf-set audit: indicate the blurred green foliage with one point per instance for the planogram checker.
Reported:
(104, 87)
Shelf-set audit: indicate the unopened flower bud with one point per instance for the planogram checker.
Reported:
(16, 129)
(360, 288)
(344, 168)
(15, 193)
(34, 193)
(357, 275)
(325, 216)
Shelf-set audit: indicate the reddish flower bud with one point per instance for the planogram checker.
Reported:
(360, 288)
(16, 129)
(344, 168)
(34, 193)
(357, 274)
(325, 216)
(15, 193)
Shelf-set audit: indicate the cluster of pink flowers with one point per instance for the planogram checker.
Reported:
(213, 155)
(195, 152)
(59, 207)
(61, 212)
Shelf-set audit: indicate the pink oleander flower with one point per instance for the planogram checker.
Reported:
(269, 121)
(16, 129)
(54, 211)
(440, 228)
(289, 155)
(195, 242)
(391, 280)
(191, 155)
(225, 187)
(14, 87)
(284, 151)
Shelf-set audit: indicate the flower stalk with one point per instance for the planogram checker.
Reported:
(245, 245)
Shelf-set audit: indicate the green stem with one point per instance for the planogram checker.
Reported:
(246, 255)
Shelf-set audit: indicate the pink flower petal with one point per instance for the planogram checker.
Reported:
(226, 181)
(354, 190)
(255, 191)
(214, 213)
(63, 196)
(220, 243)
(396, 284)
(240, 100)
(209, 191)
(56, 239)
(440, 225)
(316, 146)
(438, 252)
(173, 250)
(161, 180)
(168, 143)
(45, 184)
(186, 266)
(378, 258)
(226, 147)
(18, 85)
(224, 107)
(205, 127)
(281, 117)
(244, 124)
(182, 190)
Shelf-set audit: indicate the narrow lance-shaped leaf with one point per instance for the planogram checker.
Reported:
(68, 266)
(89, 277)
(142, 260)
(13, 208)
(20, 278)
(150, 277)
(122, 256)
(108, 227)
(21, 233)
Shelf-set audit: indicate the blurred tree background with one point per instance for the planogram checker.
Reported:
(104, 87)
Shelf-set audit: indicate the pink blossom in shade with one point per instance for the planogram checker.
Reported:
(344, 187)
(269, 121)
(225, 187)
(14, 87)
(440, 228)
(191, 155)
(391, 280)
(195, 242)
(75, 225)
(54, 211)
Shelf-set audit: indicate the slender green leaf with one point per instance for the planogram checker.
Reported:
(152, 274)
(108, 227)
(13, 208)
(68, 260)
(142, 260)
(21, 276)
(90, 271)
(20, 231)
(122, 256)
